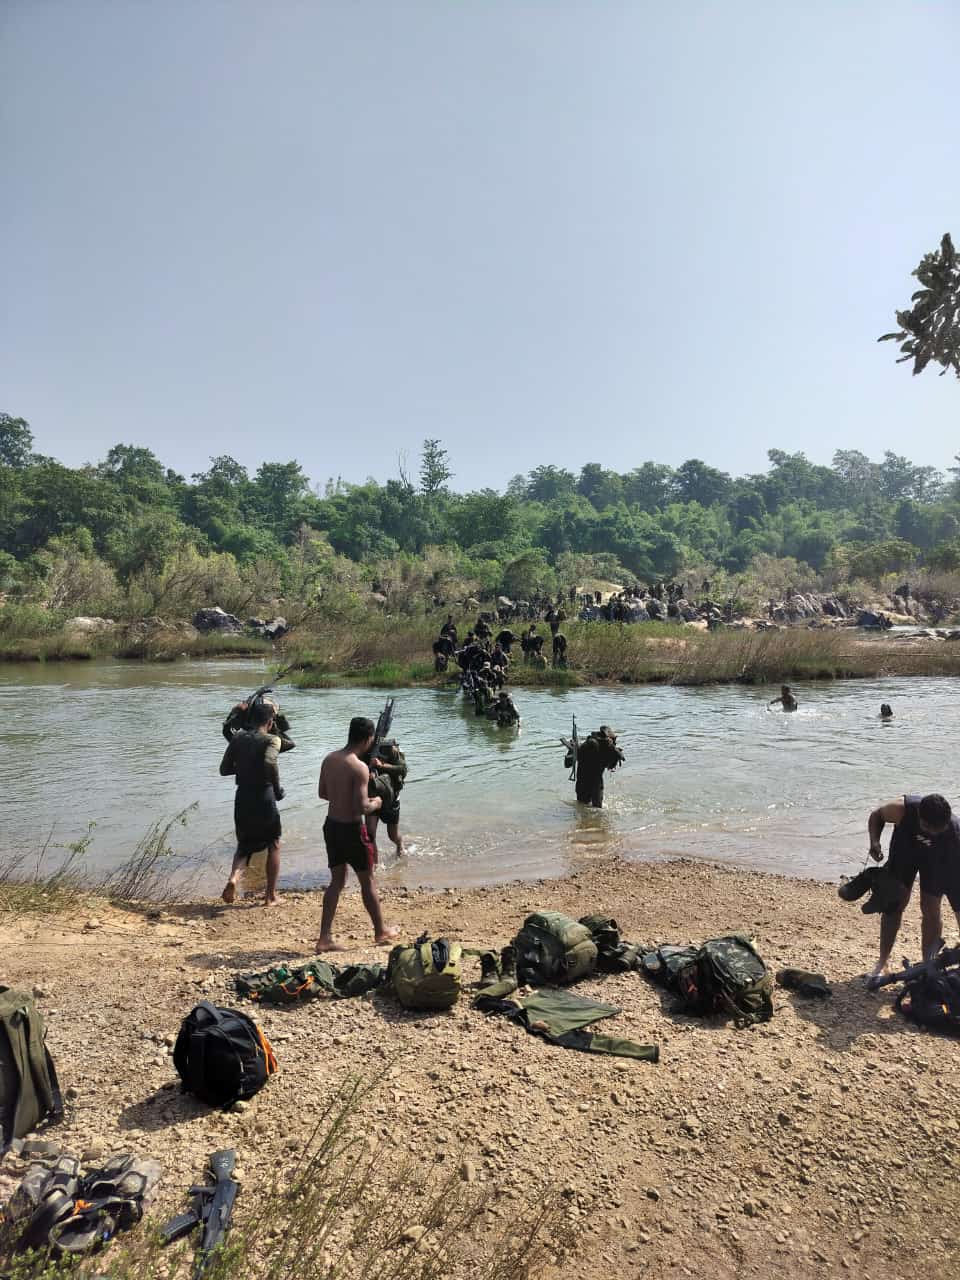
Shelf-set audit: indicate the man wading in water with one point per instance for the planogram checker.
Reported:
(252, 756)
(343, 782)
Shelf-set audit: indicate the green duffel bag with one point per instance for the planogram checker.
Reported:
(426, 975)
(553, 950)
(29, 1091)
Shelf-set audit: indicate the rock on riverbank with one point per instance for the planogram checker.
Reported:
(826, 1140)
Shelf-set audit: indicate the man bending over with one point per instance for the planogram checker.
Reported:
(926, 840)
(343, 783)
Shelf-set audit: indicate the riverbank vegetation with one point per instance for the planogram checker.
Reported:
(127, 538)
(649, 653)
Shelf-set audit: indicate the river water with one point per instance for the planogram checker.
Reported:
(710, 772)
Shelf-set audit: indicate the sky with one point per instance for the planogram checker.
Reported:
(542, 231)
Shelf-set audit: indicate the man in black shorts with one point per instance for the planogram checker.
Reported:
(344, 780)
(251, 757)
(925, 841)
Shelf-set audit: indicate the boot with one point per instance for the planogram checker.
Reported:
(489, 968)
(886, 893)
(804, 983)
(856, 887)
(508, 962)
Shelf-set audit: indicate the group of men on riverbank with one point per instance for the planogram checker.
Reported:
(357, 800)
(925, 843)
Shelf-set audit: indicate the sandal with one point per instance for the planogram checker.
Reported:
(124, 1177)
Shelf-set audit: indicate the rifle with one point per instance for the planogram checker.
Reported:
(939, 958)
(383, 725)
(572, 745)
(211, 1206)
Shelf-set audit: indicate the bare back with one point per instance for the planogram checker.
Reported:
(343, 782)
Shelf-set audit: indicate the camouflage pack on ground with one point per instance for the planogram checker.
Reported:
(553, 950)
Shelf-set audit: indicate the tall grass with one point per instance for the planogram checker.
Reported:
(393, 653)
(168, 646)
(55, 878)
(152, 872)
(46, 881)
(345, 1213)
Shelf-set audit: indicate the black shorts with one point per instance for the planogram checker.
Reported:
(349, 844)
(389, 813)
(939, 873)
(256, 820)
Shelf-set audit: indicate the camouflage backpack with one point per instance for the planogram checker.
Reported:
(553, 950)
(727, 976)
(426, 975)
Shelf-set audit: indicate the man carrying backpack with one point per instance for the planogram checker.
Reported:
(344, 780)
(925, 841)
(251, 756)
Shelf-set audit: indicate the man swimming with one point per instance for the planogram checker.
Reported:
(786, 699)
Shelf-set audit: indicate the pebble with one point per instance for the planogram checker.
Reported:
(414, 1234)
(468, 1171)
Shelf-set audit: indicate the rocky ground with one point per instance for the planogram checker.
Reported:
(825, 1141)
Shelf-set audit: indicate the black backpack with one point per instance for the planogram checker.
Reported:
(933, 1000)
(222, 1056)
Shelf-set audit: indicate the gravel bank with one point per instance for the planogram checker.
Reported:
(827, 1140)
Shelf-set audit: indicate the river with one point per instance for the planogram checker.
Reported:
(710, 773)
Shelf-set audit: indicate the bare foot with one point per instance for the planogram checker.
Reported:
(229, 892)
(390, 934)
(271, 902)
(328, 944)
(401, 849)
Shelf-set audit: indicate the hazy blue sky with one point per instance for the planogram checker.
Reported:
(544, 232)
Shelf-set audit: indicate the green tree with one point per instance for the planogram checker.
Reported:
(930, 329)
(16, 441)
(434, 467)
(696, 482)
(601, 488)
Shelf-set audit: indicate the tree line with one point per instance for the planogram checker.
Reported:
(129, 535)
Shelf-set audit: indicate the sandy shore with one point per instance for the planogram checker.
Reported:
(827, 1140)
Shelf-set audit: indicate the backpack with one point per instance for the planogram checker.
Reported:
(222, 1056)
(29, 1090)
(426, 975)
(727, 976)
(553, 950)
(933, 1000)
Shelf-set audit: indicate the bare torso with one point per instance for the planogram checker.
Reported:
(343, 782)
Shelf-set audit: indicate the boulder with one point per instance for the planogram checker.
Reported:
(90, 626)
(206, 620)
(275, 629)
(870, 618)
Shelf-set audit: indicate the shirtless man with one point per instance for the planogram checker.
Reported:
(343, 783)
